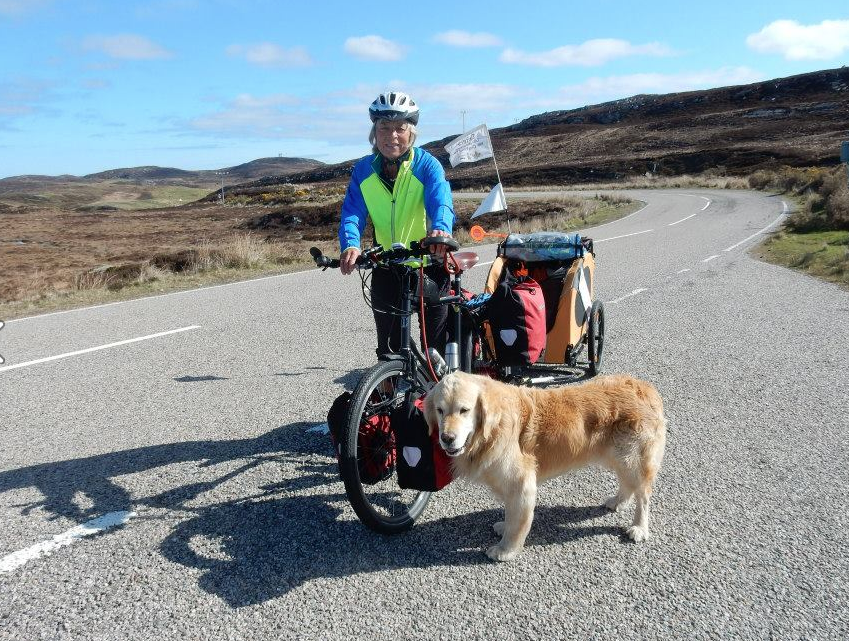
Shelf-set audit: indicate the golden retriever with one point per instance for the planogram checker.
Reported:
(512, 438)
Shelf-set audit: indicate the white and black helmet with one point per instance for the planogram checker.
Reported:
(394, 105)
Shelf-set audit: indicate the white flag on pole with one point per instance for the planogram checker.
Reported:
(494, 201)
(470, 147)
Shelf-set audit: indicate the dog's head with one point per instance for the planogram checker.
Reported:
(457, 406)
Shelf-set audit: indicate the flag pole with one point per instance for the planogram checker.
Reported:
(498, 175)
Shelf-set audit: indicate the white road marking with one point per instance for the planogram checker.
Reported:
(636, 233)
(772, 224)
(144, 298)
(321, 428)
(482, 264)
(633, 293)
(15, 560)
(682, 220)
(95, 349)
(613, 222)
(542, 379)
(681, 271)
(710, 258)
(689, 196)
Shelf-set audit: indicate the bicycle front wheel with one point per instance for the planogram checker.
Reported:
(367, 462)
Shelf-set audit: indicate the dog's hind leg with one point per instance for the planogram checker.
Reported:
(518, 516)
(625, 491)
(620, 499)
(651, 456)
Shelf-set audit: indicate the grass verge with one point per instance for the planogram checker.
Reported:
(243, 258)
(246, 256)
(570, 213)
(824, 254)
(815, 238)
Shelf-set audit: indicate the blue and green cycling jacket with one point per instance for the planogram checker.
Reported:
(420, 201)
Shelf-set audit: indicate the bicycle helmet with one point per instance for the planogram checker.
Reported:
(394, 105)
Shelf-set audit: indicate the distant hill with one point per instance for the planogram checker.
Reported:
(138, 187)
(248, 171)
(144, 173)
(796, 121)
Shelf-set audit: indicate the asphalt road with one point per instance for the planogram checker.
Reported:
(214, 510)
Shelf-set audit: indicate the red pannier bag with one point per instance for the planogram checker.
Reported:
(375, 441)
(516, 314)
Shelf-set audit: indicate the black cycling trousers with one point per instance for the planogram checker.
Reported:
(386, 291)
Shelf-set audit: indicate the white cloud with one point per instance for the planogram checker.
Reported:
(24, 97)
(155, 9)
(375, 48)
(591, 53)
(498, 100)
(126, 46)
(603, 89)
(268, 54)
(823, 41)
(96, 83)
(272, 116)
(457, 38)
(468, 97)
(340, 117)
(20, 7)
(248, 101)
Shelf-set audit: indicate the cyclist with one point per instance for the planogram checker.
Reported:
(403, 190)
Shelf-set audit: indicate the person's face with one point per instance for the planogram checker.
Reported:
(393, 138)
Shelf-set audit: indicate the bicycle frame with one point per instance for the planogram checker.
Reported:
(408, 351)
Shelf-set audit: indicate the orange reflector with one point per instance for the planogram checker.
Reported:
(477, 233)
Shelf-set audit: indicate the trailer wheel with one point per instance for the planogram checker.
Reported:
(595, 337)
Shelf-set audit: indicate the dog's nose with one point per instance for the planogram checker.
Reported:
(447, 439)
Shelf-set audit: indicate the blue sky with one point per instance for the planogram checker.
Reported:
(89, 85)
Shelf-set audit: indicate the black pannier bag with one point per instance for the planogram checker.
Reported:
(375, 441)
(516, 314)
(420, 461)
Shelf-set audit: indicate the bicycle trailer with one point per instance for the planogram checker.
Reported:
(563, 264)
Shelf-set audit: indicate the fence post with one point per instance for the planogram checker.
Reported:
(844, 154)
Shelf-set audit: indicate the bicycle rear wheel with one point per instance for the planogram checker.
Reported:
(366, 465)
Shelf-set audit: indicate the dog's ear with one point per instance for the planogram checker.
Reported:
(430, 411)
(488, 410)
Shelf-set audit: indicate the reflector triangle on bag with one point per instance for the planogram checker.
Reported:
(412, 455)
(508, 336)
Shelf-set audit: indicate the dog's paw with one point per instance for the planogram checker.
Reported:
(499, 553)
(614, 504)
(498, 526)
(637, 533)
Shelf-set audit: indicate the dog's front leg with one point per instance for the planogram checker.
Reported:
(518, 515)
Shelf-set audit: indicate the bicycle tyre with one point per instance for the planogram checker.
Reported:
(382, 506)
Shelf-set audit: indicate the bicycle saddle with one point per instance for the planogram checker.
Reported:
(465, 260)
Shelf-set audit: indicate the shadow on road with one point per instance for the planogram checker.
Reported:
(261, 546)
(62, 482)
(264, 549)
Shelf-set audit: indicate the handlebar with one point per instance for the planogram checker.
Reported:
(397, 253)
